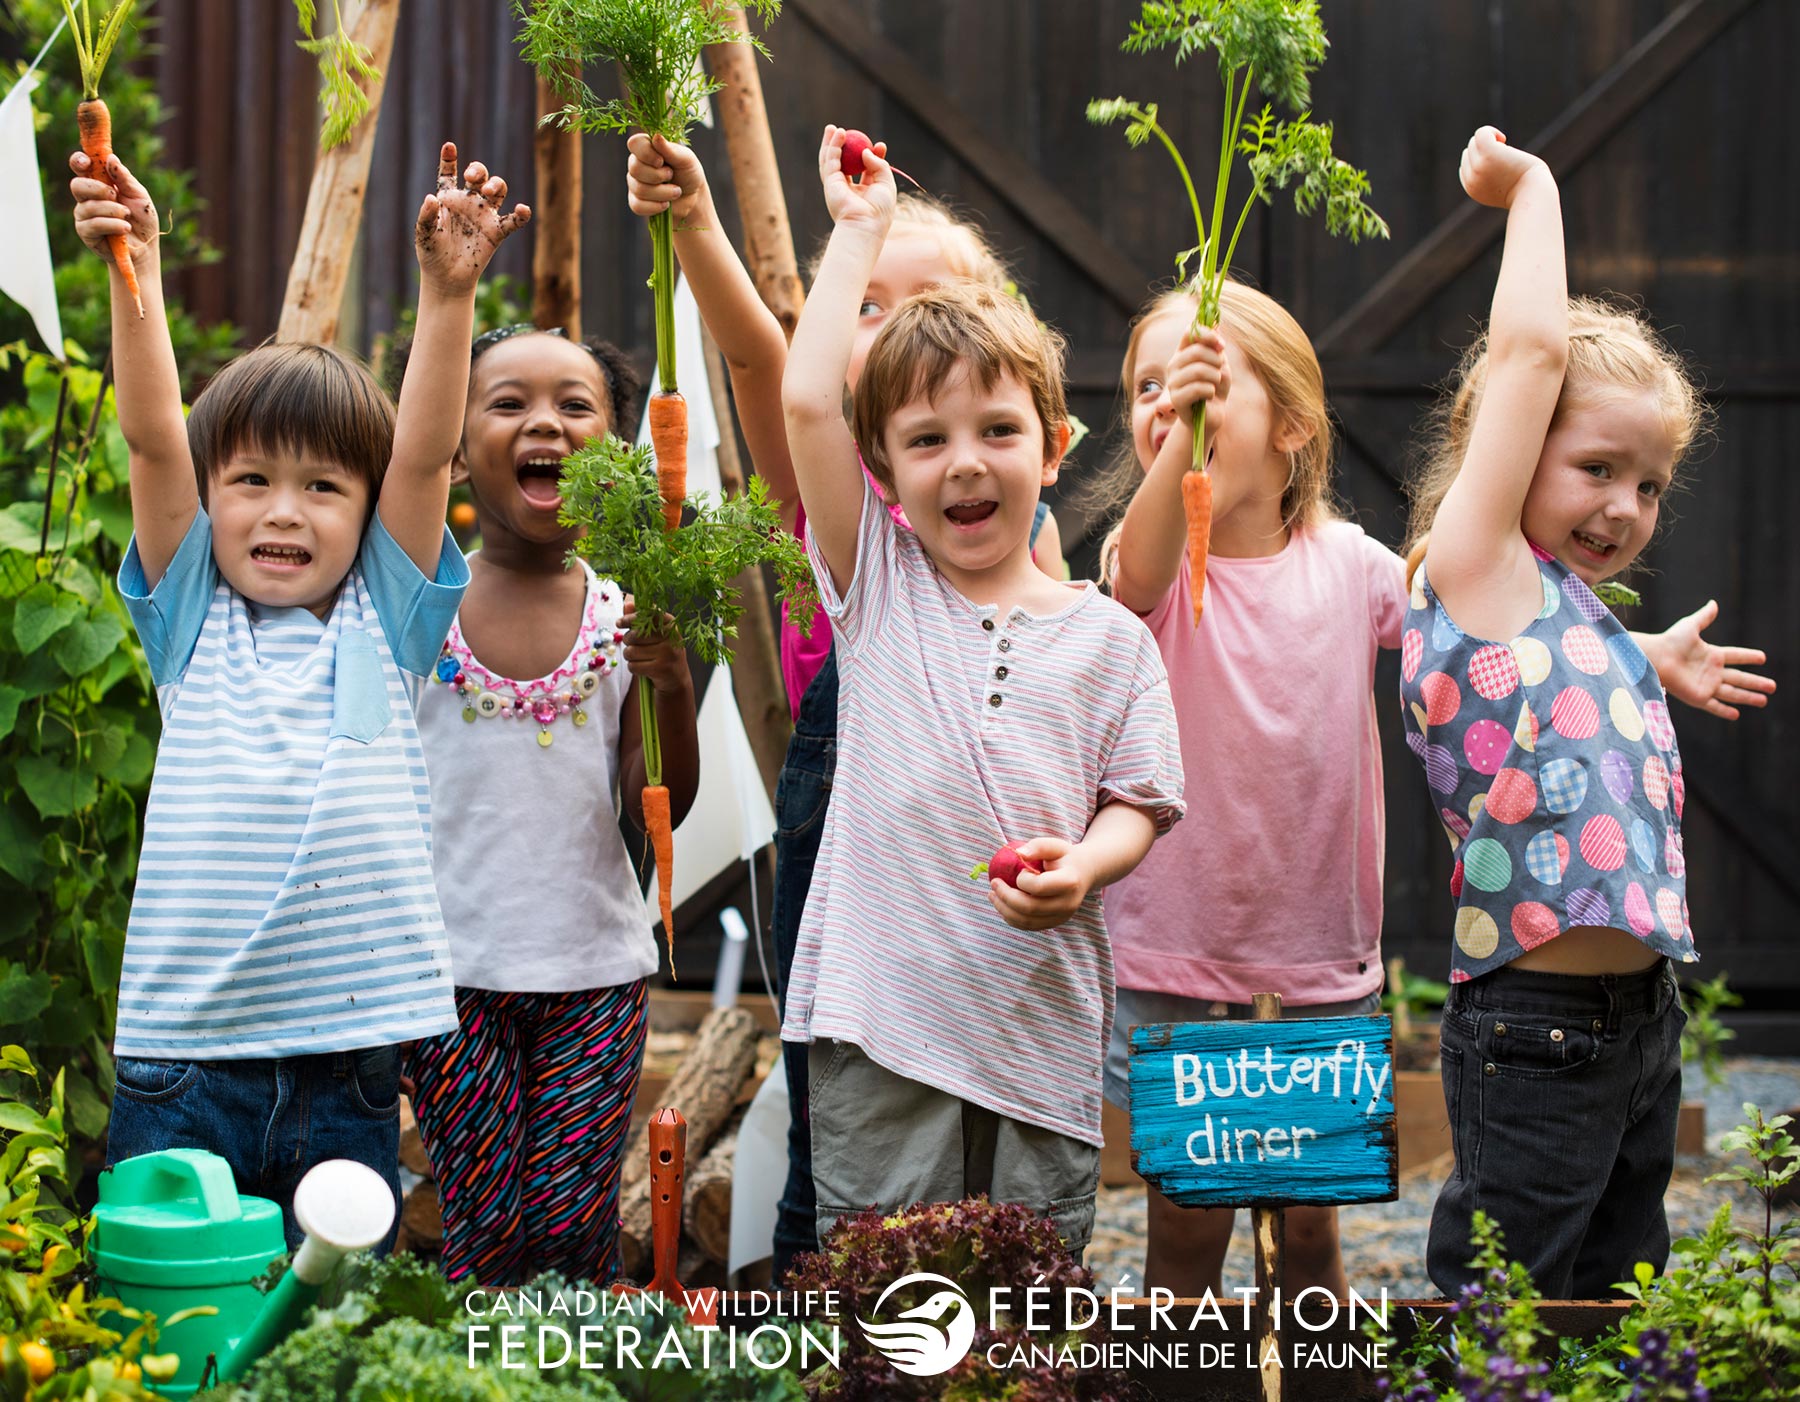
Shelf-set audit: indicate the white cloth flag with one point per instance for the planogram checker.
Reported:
(731, 819)
(26, 274)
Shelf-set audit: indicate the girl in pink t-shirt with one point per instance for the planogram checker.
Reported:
(1280, 859)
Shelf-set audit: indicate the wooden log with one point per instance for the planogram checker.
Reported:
(706, 1212)
(556, 222)
(704, 1089)
(421, 1222)
(412, 1145)
(313, 305)
(768, 238)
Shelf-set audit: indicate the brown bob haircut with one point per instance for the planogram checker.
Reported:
(934, 333)
(313, 401)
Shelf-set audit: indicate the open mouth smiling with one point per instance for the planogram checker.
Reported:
(540, 480)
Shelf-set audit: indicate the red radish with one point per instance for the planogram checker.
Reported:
(855, 143)
(1005, 865)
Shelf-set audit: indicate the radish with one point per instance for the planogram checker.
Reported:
(855, 143)
(1005, 865)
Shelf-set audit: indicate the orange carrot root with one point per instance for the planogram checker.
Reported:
(1196, 505)
(661, 832)
(95, 122)
(669, 438)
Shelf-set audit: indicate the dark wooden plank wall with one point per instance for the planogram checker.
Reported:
(1690, 206)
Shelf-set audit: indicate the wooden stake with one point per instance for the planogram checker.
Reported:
(313, 305)
(1266, 1223)
(756, 661)
(768, 238)
(556, 222)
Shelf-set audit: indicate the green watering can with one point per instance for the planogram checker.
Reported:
(172, 1232)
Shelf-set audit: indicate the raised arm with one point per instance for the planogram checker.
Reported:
(455, 236)
(663, 175)
(812, 391)
(1477, 553)
(147, 388)
(1153, 537)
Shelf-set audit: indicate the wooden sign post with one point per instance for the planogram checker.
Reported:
(1266, 1115)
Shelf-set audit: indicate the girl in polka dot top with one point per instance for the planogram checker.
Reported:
(1544, 732)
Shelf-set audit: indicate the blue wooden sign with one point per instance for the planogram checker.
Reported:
(1265, 1114)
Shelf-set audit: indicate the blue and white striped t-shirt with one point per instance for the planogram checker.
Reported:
(284, 901)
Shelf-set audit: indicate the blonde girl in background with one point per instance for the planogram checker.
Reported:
(1280, 864)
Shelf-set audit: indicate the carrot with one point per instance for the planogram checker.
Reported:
(93, 46)
(661, 833)
(96, 144)
(1196, 505)
(669, 437)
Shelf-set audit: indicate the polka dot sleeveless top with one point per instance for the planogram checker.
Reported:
(1552, 764)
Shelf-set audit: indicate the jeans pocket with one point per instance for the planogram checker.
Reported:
(829, 1065)
(154, 1081)
(375, 1079)
(1534, 1045)
(360, 705)
(802, 793)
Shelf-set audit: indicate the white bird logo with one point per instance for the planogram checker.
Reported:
(927, 1339)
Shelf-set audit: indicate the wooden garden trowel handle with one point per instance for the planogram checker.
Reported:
(668, 1165)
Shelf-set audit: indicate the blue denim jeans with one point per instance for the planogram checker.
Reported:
(270, 1118)
(1563, 1093)
(801, 795)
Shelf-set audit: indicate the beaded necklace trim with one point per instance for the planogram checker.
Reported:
(490, 696)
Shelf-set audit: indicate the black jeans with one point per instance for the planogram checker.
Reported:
(1563, 1093)
(801, 796)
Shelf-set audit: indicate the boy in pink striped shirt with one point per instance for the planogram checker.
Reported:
(957, 1032)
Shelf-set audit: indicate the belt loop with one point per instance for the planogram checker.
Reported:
(1610, 983)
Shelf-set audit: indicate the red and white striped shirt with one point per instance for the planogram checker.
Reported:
(959, 730)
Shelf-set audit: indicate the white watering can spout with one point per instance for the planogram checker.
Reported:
(342, 1206)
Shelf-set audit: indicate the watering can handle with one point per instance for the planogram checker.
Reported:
(180, 1173)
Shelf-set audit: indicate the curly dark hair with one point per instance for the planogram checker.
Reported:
(623, 387)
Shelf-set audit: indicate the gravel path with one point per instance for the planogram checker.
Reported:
(1384, 1243)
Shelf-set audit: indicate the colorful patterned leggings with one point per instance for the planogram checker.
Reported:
(524, 1110)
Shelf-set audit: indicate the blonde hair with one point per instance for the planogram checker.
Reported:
(968, 253)
(934, 333)
(1267, 336)
(1611, 348)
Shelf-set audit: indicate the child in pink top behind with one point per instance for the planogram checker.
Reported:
(1274, 883)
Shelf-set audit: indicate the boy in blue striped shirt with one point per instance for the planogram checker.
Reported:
(292, 580)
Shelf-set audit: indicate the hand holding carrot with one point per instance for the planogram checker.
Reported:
(459, 229)
(111, 204)
(1198, 372)
(869, 202)
(1043, 900)
(663, 177)
(654, 657)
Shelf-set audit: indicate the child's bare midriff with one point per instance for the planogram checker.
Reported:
(1589, 949)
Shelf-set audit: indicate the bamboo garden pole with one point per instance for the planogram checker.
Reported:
(312, 307)
(556, 222)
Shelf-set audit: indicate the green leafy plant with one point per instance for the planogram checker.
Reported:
(59, 1337)
(1722, 1322)
(656, 45)
(344, 66)
(1275, 45)
(77, 728)
(1703, 1039)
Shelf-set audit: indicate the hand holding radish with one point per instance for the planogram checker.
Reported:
(1042, 900)
(459, 229)
(1492, 171)
(869, 202)
(662, 176)
(109, 203)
